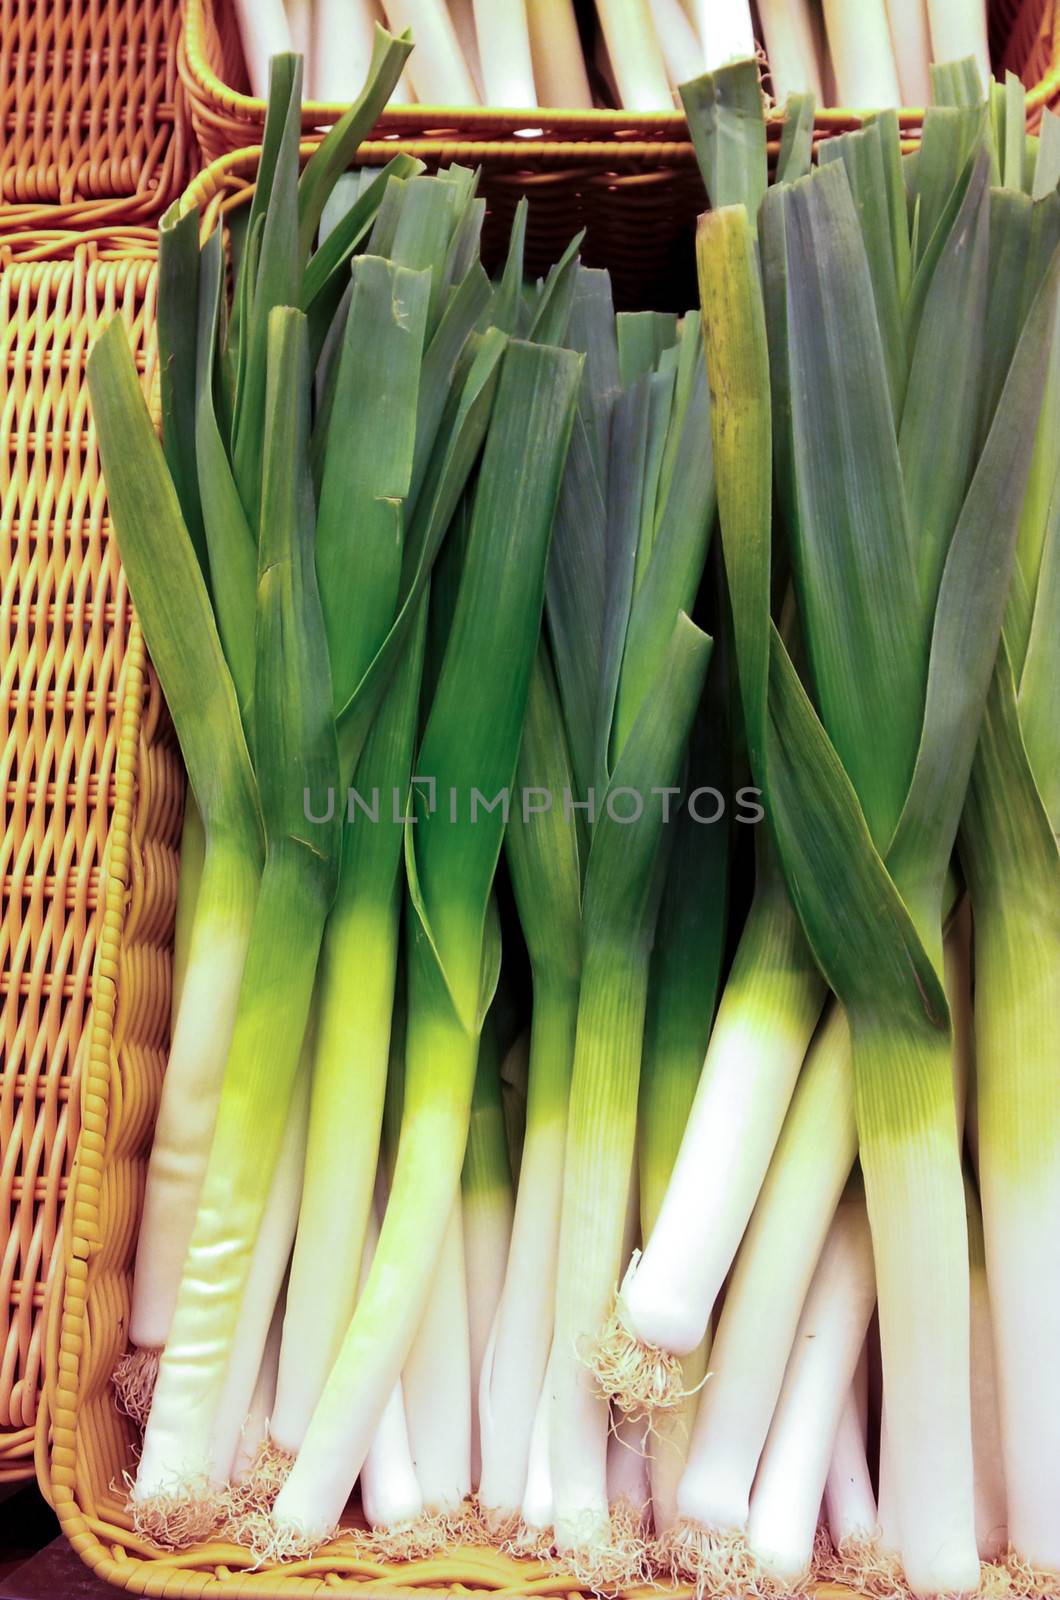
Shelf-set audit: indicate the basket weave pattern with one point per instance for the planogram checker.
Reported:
(92, 122)
(65, 624)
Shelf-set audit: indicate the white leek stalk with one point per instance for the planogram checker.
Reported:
(912, 49)
(791, 48)
(991, 1501)
(628, 1480)
(255, 1429)
(681, 46)
(629, 1488)
(463, 15)
(859, 41)
(263, 32)
(487, 1207)
(849, 1501)
(765, 1021)
(556, 48)
(272, 1251)
(794, 1468)
(353, 1040)
(544, 866)
(725, 29)
(773, 1273)
(887, 1500)
(191, 1091)
(636, 60)
(513, 1371)
(504, 52)
(390, 1491)
(436, 69)
(437, 1383)
(343, 35)
(302, 16)
(537, 1507)
(958, 29)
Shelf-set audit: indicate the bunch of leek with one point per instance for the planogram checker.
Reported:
(307, 639)
(832, 352)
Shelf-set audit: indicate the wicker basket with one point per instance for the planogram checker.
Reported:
(93, 121)
(84, 1445)
(1024, 38)
(65, 629)
(631, 182)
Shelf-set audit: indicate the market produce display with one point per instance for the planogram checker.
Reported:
(468, 52)
(612, 1107)
(875, 54)
(523, 53)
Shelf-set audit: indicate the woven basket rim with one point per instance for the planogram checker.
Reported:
(594, 126)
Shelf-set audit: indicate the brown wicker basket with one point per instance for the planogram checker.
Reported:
(1024, 38)
(65, 625)
(93, 124)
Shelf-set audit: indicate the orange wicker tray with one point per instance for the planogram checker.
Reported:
(93, 121)
(1024, 38)
(63, 611)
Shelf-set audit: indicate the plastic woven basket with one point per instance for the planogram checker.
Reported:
(1024, 38)
(65, 628)
(84, 1445)
(93, 125)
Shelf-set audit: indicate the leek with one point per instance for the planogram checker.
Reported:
(296, 747)
(757, 1326)
(678, 41)
(926, 692)
(862, 53)
(436, 1380)
(1009, 849)
(186, 649)
(437, 71)
(486, 1186)
(387, 329)
(503, 37)
(543, 859)
(634, 53)
(849, 1500)
(794, 1469)
(556, 49)
(685, 975)
(452, 944)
